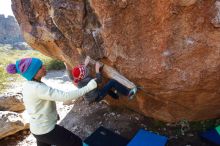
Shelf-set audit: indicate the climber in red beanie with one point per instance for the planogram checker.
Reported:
(81, 77)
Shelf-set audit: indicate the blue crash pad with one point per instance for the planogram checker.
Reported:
(211, 136)
(146, 138)
(105, 137)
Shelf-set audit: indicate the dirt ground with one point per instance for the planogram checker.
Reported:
(82, 119)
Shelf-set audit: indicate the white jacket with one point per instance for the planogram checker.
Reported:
(39, 100)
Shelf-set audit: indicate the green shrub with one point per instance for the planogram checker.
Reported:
(54, 65)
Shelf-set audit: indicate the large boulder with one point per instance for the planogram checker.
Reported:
(169, 48)
(11, 102)
(10, 123)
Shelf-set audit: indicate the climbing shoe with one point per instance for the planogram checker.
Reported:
(113, 94)
(132, 93)
(84, 144)
(99, 98)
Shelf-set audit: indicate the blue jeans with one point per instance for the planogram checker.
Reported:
(113, 84)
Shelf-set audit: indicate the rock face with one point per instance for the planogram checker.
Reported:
(216, 19)
(169, 48)
(186, 2)
(11, 123)
(11, 102)
(9, 30)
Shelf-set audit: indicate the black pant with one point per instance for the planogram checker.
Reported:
(59, 136)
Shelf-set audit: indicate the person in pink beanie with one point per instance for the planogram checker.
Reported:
(39, 100)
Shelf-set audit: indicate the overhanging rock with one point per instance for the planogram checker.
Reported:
(171, 50)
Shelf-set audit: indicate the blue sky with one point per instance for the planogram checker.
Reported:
(5, 7)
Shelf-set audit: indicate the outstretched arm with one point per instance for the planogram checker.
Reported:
(87, 61)
(47, 93)
(68, 70)
(98, 74)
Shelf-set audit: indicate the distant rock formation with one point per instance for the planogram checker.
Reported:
(9, 30)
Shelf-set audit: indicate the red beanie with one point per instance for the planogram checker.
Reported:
(79, 72)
